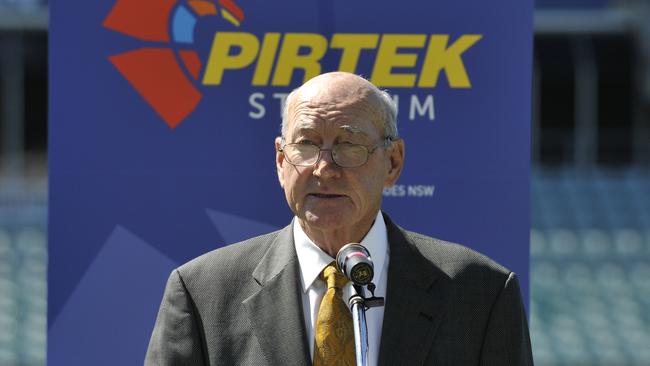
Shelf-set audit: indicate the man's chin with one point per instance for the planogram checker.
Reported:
(326, 220)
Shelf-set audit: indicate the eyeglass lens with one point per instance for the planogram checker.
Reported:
(344, 155)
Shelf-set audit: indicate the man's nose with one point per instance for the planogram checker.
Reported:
(325, 166)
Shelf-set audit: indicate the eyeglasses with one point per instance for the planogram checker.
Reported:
(344, 155)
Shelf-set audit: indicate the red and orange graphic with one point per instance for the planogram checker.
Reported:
(155, 72)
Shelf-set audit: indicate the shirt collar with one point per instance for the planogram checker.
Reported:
(312, 259)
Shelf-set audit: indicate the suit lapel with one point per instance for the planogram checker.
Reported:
(275, 311)
(415, 302)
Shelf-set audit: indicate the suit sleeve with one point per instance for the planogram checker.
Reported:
(507, 340)
(176, 338)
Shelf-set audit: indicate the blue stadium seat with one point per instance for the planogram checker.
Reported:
(590, 267)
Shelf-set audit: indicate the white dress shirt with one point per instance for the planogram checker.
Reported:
(312, 261)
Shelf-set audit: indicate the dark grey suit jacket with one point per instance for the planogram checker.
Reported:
(241, 305)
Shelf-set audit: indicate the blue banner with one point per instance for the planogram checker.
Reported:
(163, 115)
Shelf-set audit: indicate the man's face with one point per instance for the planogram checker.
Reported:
(325, 196)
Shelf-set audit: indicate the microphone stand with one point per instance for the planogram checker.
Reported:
(359, 304)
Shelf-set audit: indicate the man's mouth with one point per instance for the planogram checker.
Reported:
(324, 195)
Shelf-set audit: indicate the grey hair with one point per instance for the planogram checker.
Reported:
(285, 112)
(388, 112)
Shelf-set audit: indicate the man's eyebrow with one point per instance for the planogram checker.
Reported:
(301, 130)
(311, 127)
(353, 130)
(304, 128)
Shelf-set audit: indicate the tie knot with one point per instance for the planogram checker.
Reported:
(333, 277)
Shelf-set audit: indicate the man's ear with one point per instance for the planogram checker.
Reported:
(279, 160)
(396, 160)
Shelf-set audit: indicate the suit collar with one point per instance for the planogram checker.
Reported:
(415, 302)
(276, 311)
(281, 253)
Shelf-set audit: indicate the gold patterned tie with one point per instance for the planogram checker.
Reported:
(334, 336)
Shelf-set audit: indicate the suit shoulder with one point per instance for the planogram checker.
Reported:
(455, 259)
(230, 260)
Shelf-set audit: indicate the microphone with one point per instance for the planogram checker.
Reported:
(354, 261)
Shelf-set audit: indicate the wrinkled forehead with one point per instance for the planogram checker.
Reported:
(317, 110)
(353, 119)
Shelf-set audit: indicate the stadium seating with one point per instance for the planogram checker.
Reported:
(23, 274)
(590, 267)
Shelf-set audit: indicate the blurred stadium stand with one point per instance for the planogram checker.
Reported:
(590, 266)
(23, 182)
(590, 236)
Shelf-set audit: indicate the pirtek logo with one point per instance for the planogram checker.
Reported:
(171, 88)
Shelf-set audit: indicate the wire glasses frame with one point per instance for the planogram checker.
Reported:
(343, 155)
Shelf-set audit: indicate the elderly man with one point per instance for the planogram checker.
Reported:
(277, 300)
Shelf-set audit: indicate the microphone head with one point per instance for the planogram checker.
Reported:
(354, 261)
